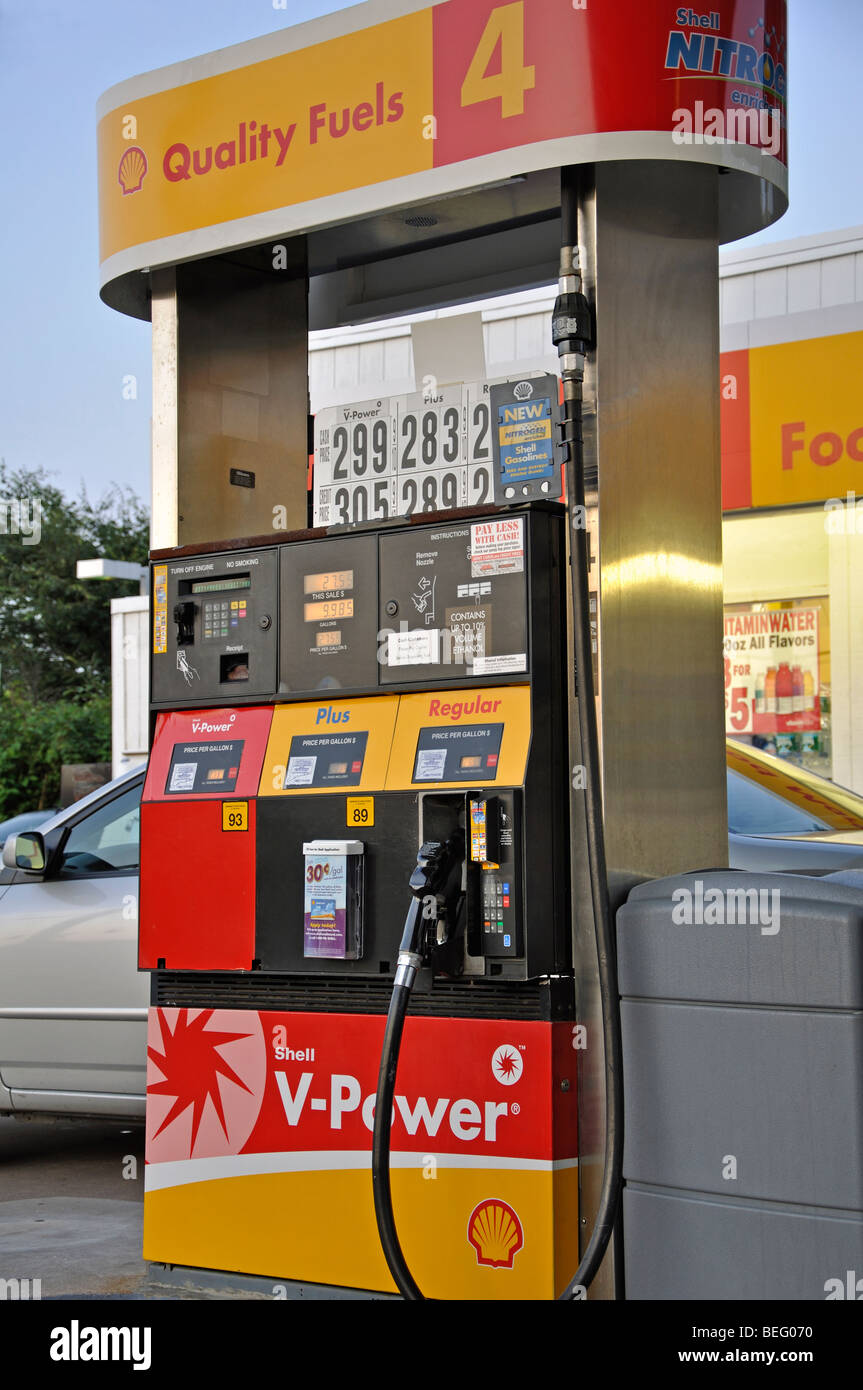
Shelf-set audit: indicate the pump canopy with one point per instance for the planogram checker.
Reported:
(395, 128)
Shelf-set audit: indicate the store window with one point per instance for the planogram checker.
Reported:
(777, 678)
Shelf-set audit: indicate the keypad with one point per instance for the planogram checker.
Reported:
(222, 616)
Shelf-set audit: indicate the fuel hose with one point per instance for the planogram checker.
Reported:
(433, 874)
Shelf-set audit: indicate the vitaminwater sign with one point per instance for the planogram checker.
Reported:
(771, 672)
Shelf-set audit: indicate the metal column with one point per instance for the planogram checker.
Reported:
(649, 234)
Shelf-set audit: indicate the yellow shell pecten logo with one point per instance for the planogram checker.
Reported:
(131, 170)
(495, 1233)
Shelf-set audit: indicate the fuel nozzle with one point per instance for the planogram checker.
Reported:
(437, 873)
(435, 861)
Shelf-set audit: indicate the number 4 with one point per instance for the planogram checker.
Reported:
(506, 27)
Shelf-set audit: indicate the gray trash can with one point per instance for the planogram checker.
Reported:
(742, 1013)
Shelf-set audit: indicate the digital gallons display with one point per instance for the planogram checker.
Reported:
(328, 608)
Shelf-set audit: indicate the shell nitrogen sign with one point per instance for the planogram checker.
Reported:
(394, 102)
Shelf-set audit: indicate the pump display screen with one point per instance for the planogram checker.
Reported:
(468, 754)
(219, 586)
(204, 767)
(328, 608)
(325, 760)
(328, 581)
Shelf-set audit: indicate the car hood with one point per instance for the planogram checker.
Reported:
(819, 837)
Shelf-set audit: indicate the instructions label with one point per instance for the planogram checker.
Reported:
(160, 609)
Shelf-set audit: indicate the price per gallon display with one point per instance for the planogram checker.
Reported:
(427, 452)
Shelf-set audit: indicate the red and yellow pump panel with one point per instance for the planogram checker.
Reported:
(259, 1131)
(198, 826)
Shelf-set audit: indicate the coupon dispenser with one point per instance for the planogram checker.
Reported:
(325, 706)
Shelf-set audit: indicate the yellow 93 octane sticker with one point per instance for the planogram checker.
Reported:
(235, 815)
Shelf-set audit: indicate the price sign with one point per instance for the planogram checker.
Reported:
(427, 452)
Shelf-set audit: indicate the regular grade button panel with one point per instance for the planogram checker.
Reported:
(440, 735)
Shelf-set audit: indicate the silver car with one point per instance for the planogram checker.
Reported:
(73, 1006)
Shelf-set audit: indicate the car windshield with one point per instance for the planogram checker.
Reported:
(752, 810)
(107, 838)
(795, 801)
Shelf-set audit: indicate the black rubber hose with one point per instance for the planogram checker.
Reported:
(612, 1179)
(383, 1111)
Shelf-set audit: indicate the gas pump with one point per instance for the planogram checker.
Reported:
(347, 724)
(366, 918)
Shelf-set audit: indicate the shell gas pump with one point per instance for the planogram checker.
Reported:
(349, 727)
(374, 898)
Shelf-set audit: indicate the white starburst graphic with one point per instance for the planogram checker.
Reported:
(507, 1064)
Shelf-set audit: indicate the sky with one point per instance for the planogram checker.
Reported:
(64, 355)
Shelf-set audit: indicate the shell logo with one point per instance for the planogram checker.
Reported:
(131, 169)
(495, 1233)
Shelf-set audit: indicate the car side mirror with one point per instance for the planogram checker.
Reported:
(32, 852)
(25, 851)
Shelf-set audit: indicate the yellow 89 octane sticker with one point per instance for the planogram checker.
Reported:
(235, 815)
(361, 810)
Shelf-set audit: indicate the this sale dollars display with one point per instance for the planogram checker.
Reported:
(771, 672)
